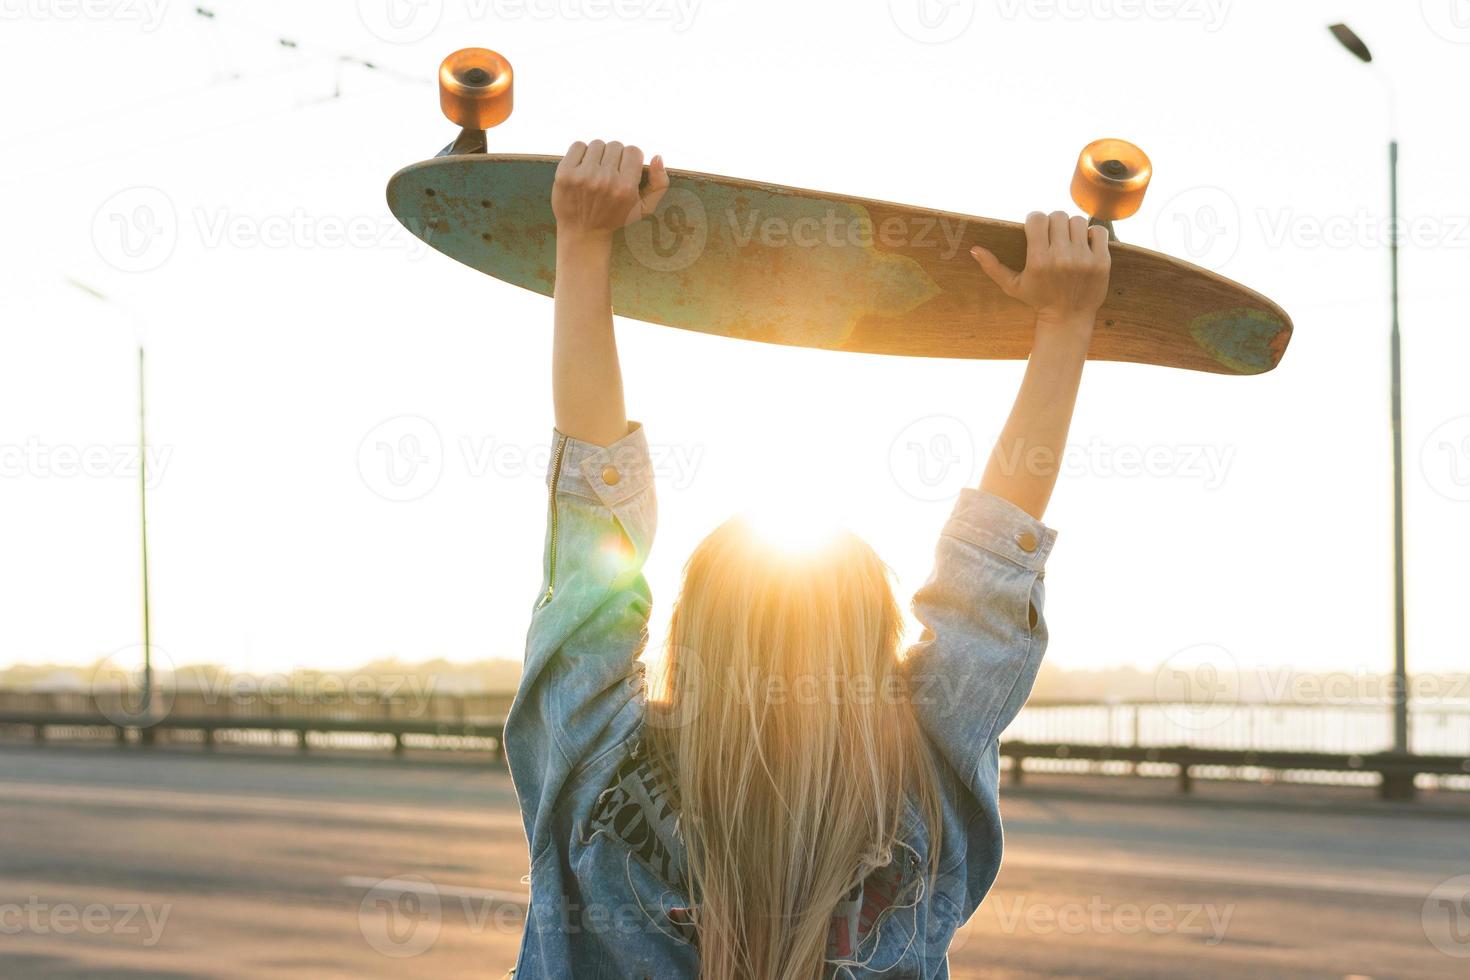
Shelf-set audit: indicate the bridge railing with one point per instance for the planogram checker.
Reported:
(1328, 737)
(1438, 728)
(363, 705)
(1227, 737)
(400, 716)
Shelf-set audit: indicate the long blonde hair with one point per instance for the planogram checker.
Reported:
(787, 730)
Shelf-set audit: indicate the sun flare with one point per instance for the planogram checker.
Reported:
(792, 528)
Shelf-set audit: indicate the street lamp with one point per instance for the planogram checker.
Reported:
(147, 693)
(1359, 50)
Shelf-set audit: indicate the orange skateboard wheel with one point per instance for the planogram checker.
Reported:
(475, 88)
(1111, 178)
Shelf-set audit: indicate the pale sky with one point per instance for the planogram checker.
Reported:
(204, 177)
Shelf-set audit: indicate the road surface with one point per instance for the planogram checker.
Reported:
(123, 861)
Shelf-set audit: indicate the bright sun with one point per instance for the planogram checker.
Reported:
(792, 526)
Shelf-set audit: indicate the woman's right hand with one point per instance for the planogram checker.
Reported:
(1066, 276)
(596, 189)
(1065, 281)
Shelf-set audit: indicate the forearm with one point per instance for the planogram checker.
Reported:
(1027, 457)
(586, 380)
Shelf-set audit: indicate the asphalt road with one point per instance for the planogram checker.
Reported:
(132, 862)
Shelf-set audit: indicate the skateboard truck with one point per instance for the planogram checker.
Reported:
(475, 86)
(1111, 178)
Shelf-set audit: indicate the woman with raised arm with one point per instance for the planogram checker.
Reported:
(802, 798)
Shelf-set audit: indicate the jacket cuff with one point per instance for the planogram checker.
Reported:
(610, 474)
(1001, 528)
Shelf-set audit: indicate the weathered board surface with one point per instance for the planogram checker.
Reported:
(789, 266)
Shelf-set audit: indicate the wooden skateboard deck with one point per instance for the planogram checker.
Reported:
(788, 266)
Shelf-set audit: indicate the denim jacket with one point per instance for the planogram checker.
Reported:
(607, 899)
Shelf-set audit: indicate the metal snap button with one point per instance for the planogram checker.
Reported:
(611, 476)
(1027, 541)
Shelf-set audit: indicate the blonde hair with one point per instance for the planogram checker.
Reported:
(787, 729)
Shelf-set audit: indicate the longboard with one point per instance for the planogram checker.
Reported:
(782, 265)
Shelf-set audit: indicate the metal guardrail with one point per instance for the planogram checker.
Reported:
(1326, 738)
(248, 704)
(1396, 772)
(1351, 737)
(1337, 727)
(210, 713)
(210, 725)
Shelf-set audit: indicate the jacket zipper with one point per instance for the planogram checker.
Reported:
(551, 505)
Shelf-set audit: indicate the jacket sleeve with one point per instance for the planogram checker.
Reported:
(581, 690)
(983, 632)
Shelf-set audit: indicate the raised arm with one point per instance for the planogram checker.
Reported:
(595, 194)
(581, 691)
(1065, 281)
(984, 631)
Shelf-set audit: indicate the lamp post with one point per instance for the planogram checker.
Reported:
(146, 699)
(143, 532)
(1400, 691)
